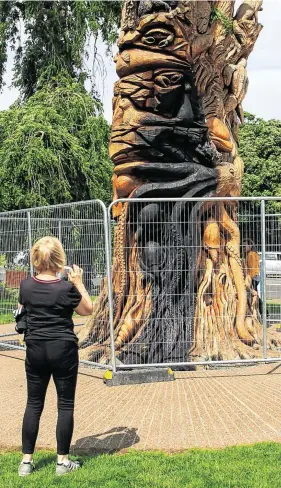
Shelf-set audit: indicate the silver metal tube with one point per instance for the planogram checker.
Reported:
(9, 335)
(263, 279)
(96, 365)
(60, 230)
(10, 346)
(42, 219)
(202, 199)
(109, 221)
(167, 365)
(199, 363)
(107, 241)
(29, 241)
(62, 205)
(192, 199)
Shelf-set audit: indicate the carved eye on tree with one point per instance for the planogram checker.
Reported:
(163, 81)
(167, 41)
(158, 37)
(168, 79)
(149, 40)
(176, 78)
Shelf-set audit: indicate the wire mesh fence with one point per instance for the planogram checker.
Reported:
(190, 281)
(272, 256)
(81, 227)
(273, 266)
(11, 341)
(179, 272)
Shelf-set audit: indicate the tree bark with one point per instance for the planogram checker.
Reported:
(176, 110)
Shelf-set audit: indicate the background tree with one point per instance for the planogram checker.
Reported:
(260, 148)
(53, 148)
(54, 140)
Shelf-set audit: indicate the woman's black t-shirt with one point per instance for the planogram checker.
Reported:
(49, 306)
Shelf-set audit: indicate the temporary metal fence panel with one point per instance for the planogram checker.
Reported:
(83, 230)
(165, 245)
(162, 235)
(11, 341)
(14, 258)
(273, 265)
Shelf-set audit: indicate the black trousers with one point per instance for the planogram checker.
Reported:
(57, 358)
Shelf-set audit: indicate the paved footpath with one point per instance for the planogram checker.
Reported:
(199, 409)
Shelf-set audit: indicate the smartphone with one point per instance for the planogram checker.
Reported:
(64, 273)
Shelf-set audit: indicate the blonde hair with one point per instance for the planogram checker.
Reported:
(47, 254)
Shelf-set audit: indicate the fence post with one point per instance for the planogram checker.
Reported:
(263, 279)
(107, 239)
(60, 230)
(29, 241)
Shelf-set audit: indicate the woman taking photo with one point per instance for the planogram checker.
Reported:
(51, 347)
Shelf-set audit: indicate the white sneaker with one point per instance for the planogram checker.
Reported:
(64, 468)
(26, 468)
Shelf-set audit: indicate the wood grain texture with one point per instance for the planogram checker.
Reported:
(177, 105)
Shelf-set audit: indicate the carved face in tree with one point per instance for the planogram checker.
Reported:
(179, 287)
(182, 69)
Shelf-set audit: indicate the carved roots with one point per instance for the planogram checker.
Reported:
(216, 335)
(227, 320)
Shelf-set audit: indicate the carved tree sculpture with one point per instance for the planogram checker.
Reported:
(177, 105)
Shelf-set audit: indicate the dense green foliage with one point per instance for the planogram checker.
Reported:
(54, 148)
(52, 36)
(54, 140)
(256, 466)
(260, 148)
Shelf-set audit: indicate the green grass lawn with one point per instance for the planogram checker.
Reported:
(257, 466)
(6, 318)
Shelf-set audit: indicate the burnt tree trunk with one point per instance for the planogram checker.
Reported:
(181, 288)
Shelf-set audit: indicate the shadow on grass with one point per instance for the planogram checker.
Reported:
(109, 442)
(46, 460)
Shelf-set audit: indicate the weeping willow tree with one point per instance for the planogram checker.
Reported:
(54, 139)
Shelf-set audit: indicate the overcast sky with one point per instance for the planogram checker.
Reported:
(264, 71)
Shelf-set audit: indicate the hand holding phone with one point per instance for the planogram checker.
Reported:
(75, 275)
(65, 273)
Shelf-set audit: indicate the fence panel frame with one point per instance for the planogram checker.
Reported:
(263, 279)
(264, 358)
(107, 250)
(108, 234)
